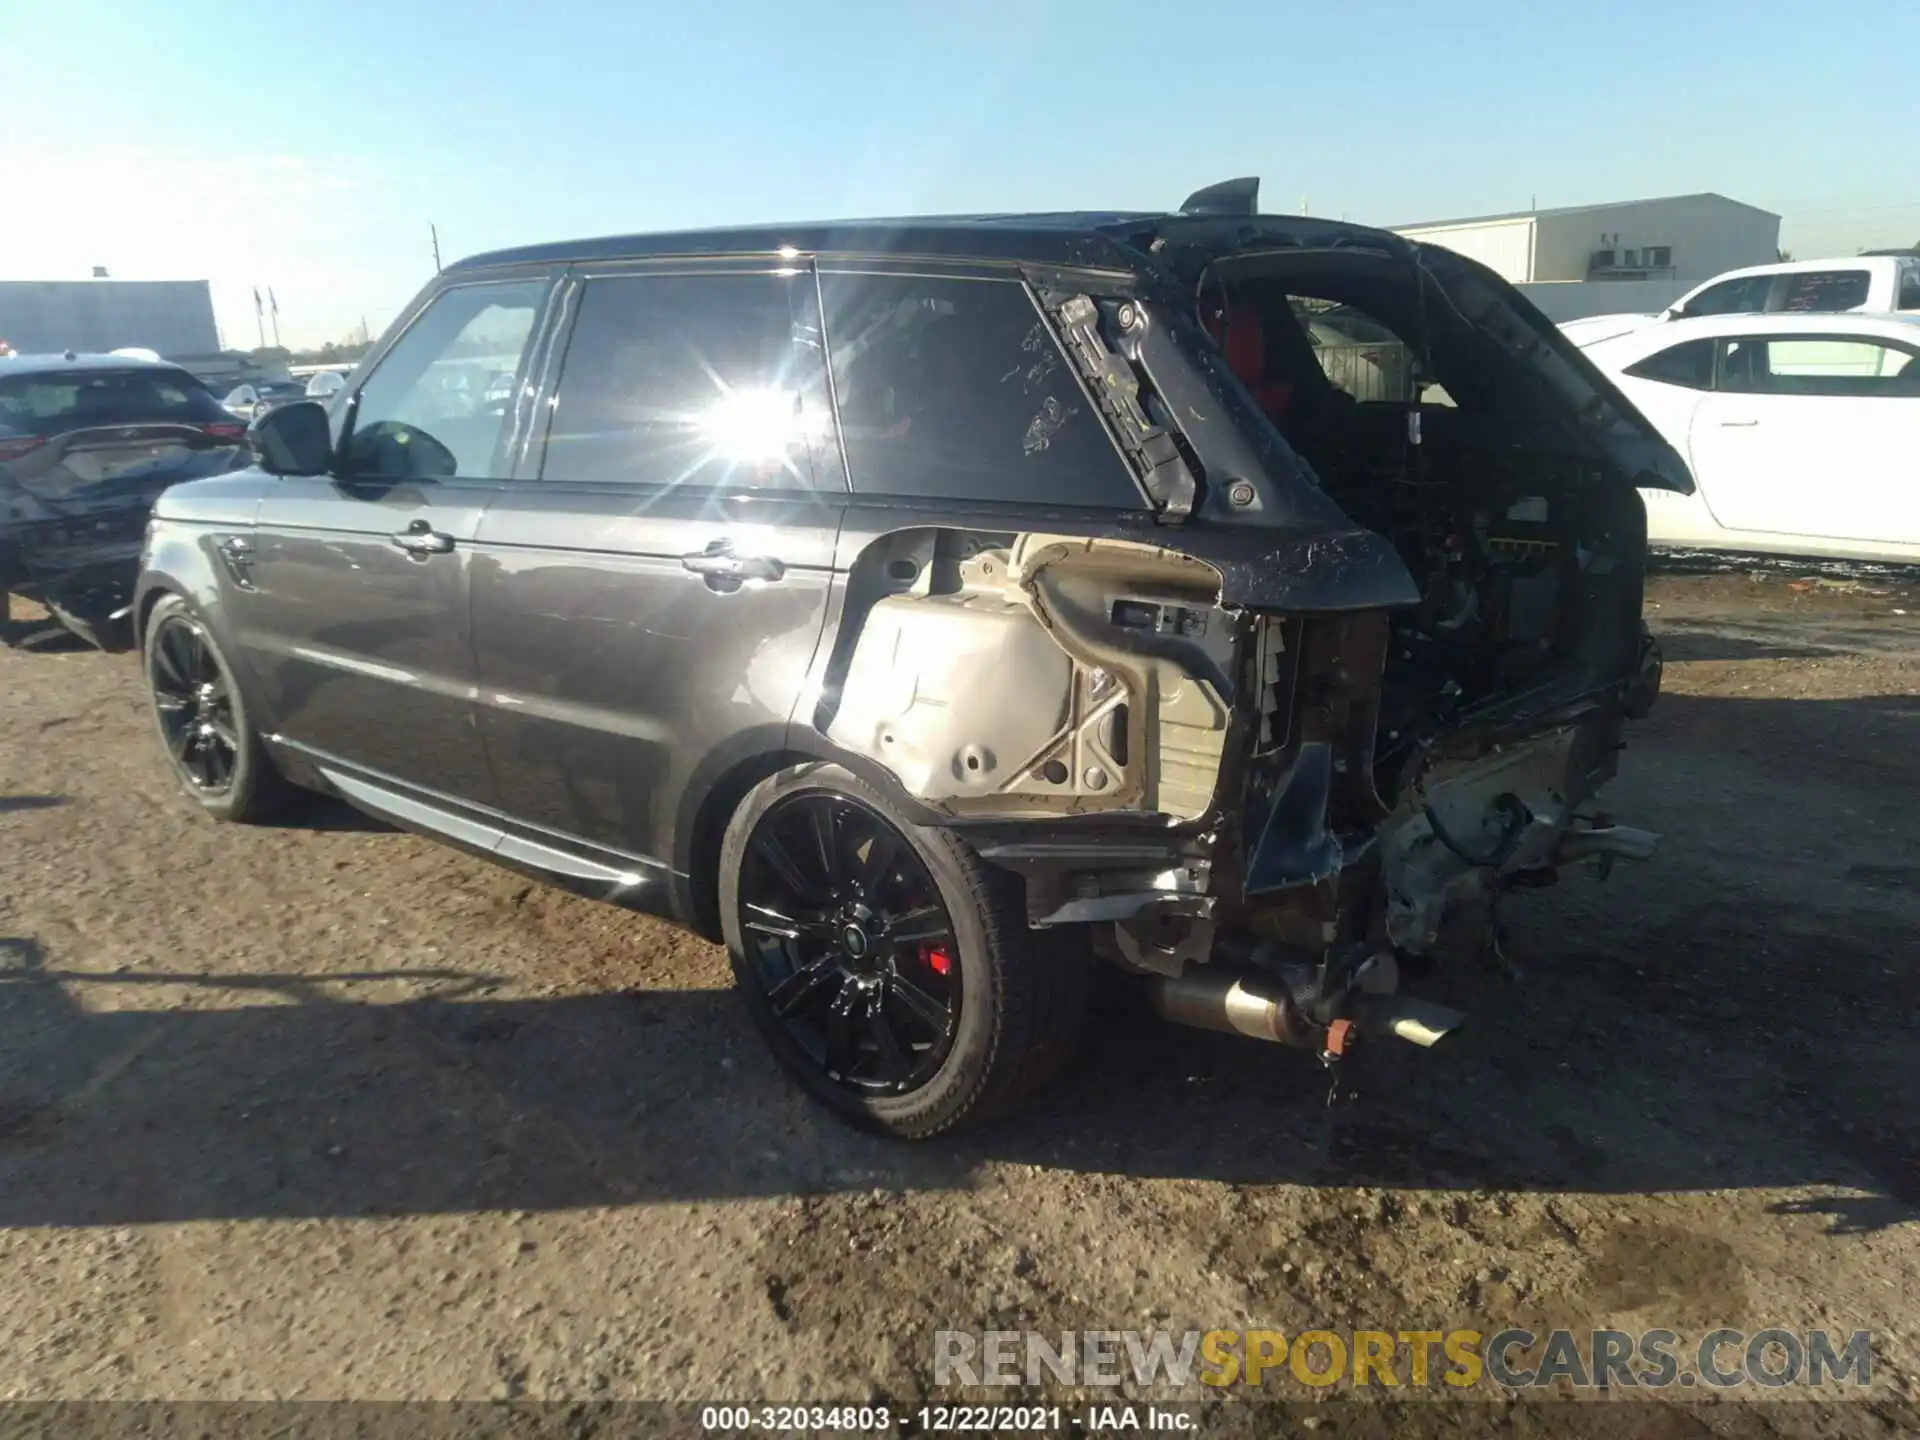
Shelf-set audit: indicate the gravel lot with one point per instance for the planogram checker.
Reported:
(327, 1110)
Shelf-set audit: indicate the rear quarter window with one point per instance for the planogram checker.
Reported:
(955, 388)
(73, 399)
(1826, 291)
(1689, 364)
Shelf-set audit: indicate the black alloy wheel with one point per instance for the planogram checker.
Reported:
(203, 720)
(852, 946)
(193, 698)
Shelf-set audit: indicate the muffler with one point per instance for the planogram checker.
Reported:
(1212, 999)
(1235, 1003)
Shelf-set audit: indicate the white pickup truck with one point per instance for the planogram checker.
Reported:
(1872, 283)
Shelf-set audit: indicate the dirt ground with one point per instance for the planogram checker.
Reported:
(328, 1110)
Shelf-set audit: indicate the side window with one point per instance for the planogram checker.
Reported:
(1818, 365)
(425, 413)
(955, 388)
(1746, 295)
(1826, 290)
(689, 380)
(1909, 297)
(1689, 364)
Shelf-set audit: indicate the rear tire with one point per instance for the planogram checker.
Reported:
(1014, 996)
(205, 730)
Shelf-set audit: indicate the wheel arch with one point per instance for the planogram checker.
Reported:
(722, 782)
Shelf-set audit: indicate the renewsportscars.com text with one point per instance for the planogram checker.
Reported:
(1455, 1359)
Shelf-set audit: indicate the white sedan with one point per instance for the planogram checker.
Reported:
(1802, 431)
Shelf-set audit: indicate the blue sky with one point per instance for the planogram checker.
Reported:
(308, 147)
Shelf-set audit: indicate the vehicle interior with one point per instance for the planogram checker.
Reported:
(1437, 440)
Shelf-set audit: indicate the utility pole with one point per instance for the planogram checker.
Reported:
(434, 231)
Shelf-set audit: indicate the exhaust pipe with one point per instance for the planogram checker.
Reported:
(1240, 1004)
(1625, 841)
(1418, 1022)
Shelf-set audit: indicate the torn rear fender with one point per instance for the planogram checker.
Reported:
(1025, 675)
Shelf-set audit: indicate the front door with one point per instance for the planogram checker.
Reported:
(649, 603)
(1813, 435)
(353, 604)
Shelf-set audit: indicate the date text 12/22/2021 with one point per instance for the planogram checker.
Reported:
(943, 1419)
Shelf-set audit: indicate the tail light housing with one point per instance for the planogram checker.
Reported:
(12, 447)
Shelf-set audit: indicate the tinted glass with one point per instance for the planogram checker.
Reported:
(1732, 297)
(1909, 297)
(1826, 290)
(1690, 364)
(64, 400)
(955, 388)
(424, 412)
(1820, 365)
(689, 380)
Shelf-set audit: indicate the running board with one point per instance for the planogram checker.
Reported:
(490, 839)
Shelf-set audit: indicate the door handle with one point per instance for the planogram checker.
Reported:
(421, 543)
(1738, 424)
(725, 565)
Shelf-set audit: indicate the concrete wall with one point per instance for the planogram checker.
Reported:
(173, 317)
(1707, 235)
(1604, 297)
(1503, 246)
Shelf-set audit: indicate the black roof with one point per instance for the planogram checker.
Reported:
(1071, 238)
(1075, 239)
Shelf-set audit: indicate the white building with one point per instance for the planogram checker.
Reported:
(1630, 255)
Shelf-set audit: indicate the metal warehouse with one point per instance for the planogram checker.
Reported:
(1626, 255)
(174, 317)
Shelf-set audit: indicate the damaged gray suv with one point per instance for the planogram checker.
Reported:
(935, 609)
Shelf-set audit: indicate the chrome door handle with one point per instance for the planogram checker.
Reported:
(422, 543)
(725, 565)
(1738, 424)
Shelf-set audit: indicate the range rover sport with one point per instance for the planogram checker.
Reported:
(933, 609)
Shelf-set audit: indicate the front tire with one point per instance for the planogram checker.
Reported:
(890, 970)
(202, 719)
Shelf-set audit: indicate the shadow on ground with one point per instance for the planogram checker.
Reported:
(1673, 1033)
(11, 803)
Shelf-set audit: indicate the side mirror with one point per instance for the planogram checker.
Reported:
(292, 439)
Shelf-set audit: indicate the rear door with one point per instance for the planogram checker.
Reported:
(647, 598)
(1814, 435)
(352, 597)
